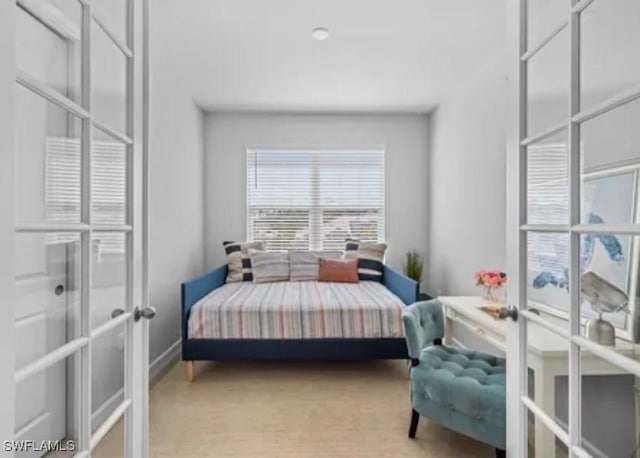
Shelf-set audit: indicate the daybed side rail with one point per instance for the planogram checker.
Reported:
(197, 288)
(401, 285)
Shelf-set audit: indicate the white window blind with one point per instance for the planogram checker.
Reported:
(108, 188)
(548, 203)
(315, 199)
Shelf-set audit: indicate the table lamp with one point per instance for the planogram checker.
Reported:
(604, 298)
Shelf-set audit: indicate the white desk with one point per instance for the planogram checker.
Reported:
(547, 356)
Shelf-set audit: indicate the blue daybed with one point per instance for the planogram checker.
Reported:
(233, 349)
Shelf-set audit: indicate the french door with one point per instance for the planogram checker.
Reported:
(73, 199)
(573, 156)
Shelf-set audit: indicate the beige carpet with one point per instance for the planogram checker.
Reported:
(335, 409)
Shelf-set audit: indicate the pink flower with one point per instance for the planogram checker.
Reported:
(490, 278)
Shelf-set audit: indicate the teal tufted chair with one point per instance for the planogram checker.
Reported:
(460, 389)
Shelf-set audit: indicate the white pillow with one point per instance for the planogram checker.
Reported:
(304, 265)
(269, 267)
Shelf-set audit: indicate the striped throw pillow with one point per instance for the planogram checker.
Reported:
(238, 260)
(269, 266)
(304, 265)
(370, 258)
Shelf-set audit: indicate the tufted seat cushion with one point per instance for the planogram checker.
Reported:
(463, 390)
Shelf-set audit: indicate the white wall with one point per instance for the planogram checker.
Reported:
(406, 138)
(467, 183)
(176, 195)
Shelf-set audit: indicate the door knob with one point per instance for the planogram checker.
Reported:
(147, 312)
(508, 312)
(116, 313)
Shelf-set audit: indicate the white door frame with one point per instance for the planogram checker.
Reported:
(135, 404)
(518, 402)
(139, 413)
(7, 275)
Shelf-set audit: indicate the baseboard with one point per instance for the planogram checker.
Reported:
(166, 357)
(155, 368)
(102, 413)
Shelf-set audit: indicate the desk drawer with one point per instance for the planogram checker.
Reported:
(482, 332)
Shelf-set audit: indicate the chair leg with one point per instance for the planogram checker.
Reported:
(189, 365)
(415, 416)
(501, 453)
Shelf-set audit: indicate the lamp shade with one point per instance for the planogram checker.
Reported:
(603, 296)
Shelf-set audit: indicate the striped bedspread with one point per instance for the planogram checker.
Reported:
(297, 310)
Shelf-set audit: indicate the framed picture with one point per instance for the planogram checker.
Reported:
(609, 197)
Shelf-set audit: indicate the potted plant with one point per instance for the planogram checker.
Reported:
(413, 266)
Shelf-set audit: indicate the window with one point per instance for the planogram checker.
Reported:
(108, 188)
(301, 200)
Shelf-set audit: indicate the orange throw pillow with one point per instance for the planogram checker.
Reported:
(338, 271)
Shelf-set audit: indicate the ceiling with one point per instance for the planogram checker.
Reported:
(383, 55)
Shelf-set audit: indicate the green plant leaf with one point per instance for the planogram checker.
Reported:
(413, 265)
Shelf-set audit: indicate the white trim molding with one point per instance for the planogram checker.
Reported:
(165, 358)
(100, 415)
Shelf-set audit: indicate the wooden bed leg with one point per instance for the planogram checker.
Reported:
(190, 366)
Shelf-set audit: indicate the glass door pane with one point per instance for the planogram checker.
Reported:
(609, 393)
(51, 55)
(548, 299)
(113, 445)
(109, 269)
(548, 180)
(48, 294)
(109, 74)
(608, 286)
(114, 15)
(542, 17)
(548, 85)
(47, 409)
(610, 141)
(108, 392)
(610, 35)
(47, 161)
(108, 180)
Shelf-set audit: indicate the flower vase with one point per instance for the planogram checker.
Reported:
(492, 282)
(490, 294)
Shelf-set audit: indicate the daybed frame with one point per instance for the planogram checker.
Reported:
(287, 349)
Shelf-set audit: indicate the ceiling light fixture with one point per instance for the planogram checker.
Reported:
(320, 33)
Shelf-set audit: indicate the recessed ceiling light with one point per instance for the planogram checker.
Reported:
(320, 33)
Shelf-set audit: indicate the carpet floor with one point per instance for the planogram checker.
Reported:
(323, 409)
